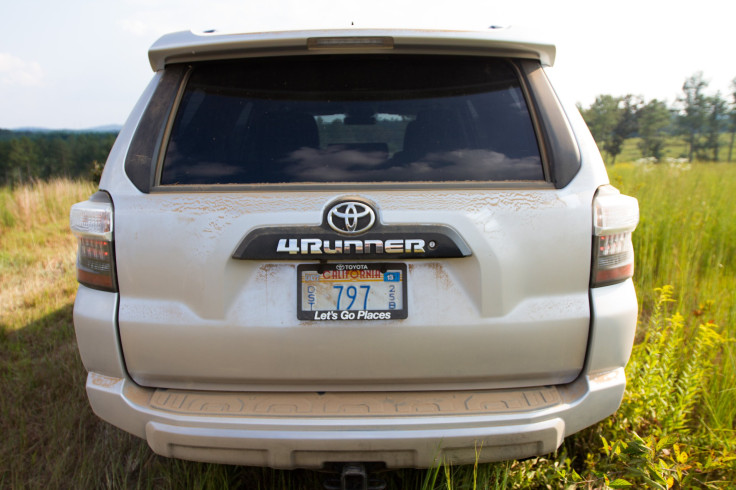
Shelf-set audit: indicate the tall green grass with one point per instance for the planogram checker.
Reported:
(687, 238)
(675, 428)
(686, 235)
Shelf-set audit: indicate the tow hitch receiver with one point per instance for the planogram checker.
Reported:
(353, 476)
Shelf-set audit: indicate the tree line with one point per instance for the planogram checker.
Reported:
(697, 118)
(26, 155)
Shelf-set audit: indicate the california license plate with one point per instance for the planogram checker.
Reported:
(370, 291)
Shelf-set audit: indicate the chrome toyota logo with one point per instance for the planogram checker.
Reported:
(351, 217)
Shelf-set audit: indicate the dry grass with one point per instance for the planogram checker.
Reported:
(37, 252)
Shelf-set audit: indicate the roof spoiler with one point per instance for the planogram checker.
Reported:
(188, 46)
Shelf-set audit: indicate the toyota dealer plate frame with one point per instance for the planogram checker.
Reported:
(357, 291)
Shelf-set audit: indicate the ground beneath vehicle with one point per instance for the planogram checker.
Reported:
(354, 246)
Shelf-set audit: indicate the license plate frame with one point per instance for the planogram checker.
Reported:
(361, 276)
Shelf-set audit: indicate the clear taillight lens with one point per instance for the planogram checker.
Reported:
(615, 216)
(91, 222)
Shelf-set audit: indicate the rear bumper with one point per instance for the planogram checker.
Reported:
(410, 429)
(292, 432)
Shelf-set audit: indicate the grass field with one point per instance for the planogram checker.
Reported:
(675, 428)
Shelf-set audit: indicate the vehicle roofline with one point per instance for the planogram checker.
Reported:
(189, 46)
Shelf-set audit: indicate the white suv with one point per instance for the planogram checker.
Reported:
(390, 246)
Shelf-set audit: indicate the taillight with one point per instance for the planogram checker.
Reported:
(92, 224)
(615, 216)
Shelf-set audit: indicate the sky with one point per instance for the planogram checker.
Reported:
(76, 64)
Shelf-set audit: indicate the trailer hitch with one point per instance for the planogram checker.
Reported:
(353, 476)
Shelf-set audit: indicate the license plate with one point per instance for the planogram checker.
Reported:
(351, 291)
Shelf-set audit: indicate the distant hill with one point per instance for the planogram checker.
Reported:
(109, 128)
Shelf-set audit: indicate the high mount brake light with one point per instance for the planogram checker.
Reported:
(615, 216)
(350, 42)
(91, 222)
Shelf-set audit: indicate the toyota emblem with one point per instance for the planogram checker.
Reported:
(351, 217)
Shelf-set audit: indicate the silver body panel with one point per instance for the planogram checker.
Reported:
(192, 316)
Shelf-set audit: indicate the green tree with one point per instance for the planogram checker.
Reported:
(23, 159)
(602, 117)
(693, 116)
(626, 126)
(715, 123)
(732, 122)
(611, 120)
(654, 119)
(5, 172)
(59, 158)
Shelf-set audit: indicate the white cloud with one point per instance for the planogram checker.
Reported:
(15, 71)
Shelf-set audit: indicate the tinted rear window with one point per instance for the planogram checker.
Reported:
(352, 119)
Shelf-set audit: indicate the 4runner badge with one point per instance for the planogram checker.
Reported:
(360, 235)
(351, 217)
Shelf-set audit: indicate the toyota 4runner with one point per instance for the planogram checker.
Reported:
(390, 246)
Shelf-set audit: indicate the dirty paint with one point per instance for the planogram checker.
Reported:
(104, 381)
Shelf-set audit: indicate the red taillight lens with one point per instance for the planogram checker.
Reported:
(615, 216)
(91, 221)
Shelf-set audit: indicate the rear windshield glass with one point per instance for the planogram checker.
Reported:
(352, 119)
